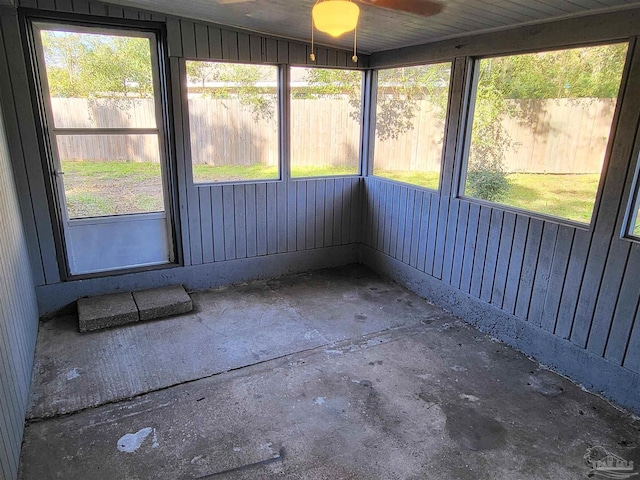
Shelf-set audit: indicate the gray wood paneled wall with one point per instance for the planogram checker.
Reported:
(18, 319)
(570, 286)
(219, 223)
(578, 284)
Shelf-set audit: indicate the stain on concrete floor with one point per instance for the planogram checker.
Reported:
(417, 394)
(230, 328)
(473, 430)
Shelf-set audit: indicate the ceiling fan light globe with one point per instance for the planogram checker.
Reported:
(335, 17)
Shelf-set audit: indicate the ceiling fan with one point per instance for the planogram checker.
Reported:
(336, 17)
(424, 8)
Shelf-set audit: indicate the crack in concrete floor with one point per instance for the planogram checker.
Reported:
(430, 398)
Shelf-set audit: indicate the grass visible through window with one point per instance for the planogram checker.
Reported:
(95, 189)
(547, 115)
(636, 226)
(565, 196)
(104, 188)
(421, 179)
(234, 173)
(231, 173)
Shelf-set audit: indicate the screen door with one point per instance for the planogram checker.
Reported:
(106, 137)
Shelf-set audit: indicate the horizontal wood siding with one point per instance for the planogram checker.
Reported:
(18, 320)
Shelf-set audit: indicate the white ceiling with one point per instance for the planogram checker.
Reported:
(379, 29)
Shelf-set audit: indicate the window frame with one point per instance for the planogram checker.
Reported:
(446, 128)
(469, 99)
(29, 22)
(280, 112)
(364, 105)
(633, 199)
(54, 132)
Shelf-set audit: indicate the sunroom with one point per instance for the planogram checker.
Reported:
(409, 250)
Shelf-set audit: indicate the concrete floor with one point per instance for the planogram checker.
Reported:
(337, 374)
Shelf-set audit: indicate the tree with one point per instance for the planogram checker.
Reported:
(398, 92)
(579, 74)
(108, 70)
(239, 81)
(84, 65)
(331, 83)
(401, 89)
(486, 177)
(117, 69)
(590, 72)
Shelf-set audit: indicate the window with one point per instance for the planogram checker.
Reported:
(105, 120)
(633, 225)
(635, 222)
(325, 121)
(102, 87)
(541, 124)
(233, 121)
(411, 107)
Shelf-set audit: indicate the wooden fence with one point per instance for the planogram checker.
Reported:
(559, 136)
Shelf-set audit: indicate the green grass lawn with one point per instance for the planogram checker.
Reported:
(112, 170)
(229, 173)
(115, 188)
(565, 196)
(110, 188)
(421, 179)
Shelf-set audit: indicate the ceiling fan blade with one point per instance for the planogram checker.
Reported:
(424, 8)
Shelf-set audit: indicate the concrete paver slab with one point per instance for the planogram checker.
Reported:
(105, 311)
(162, 302)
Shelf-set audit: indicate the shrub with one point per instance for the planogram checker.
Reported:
(487, 181)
